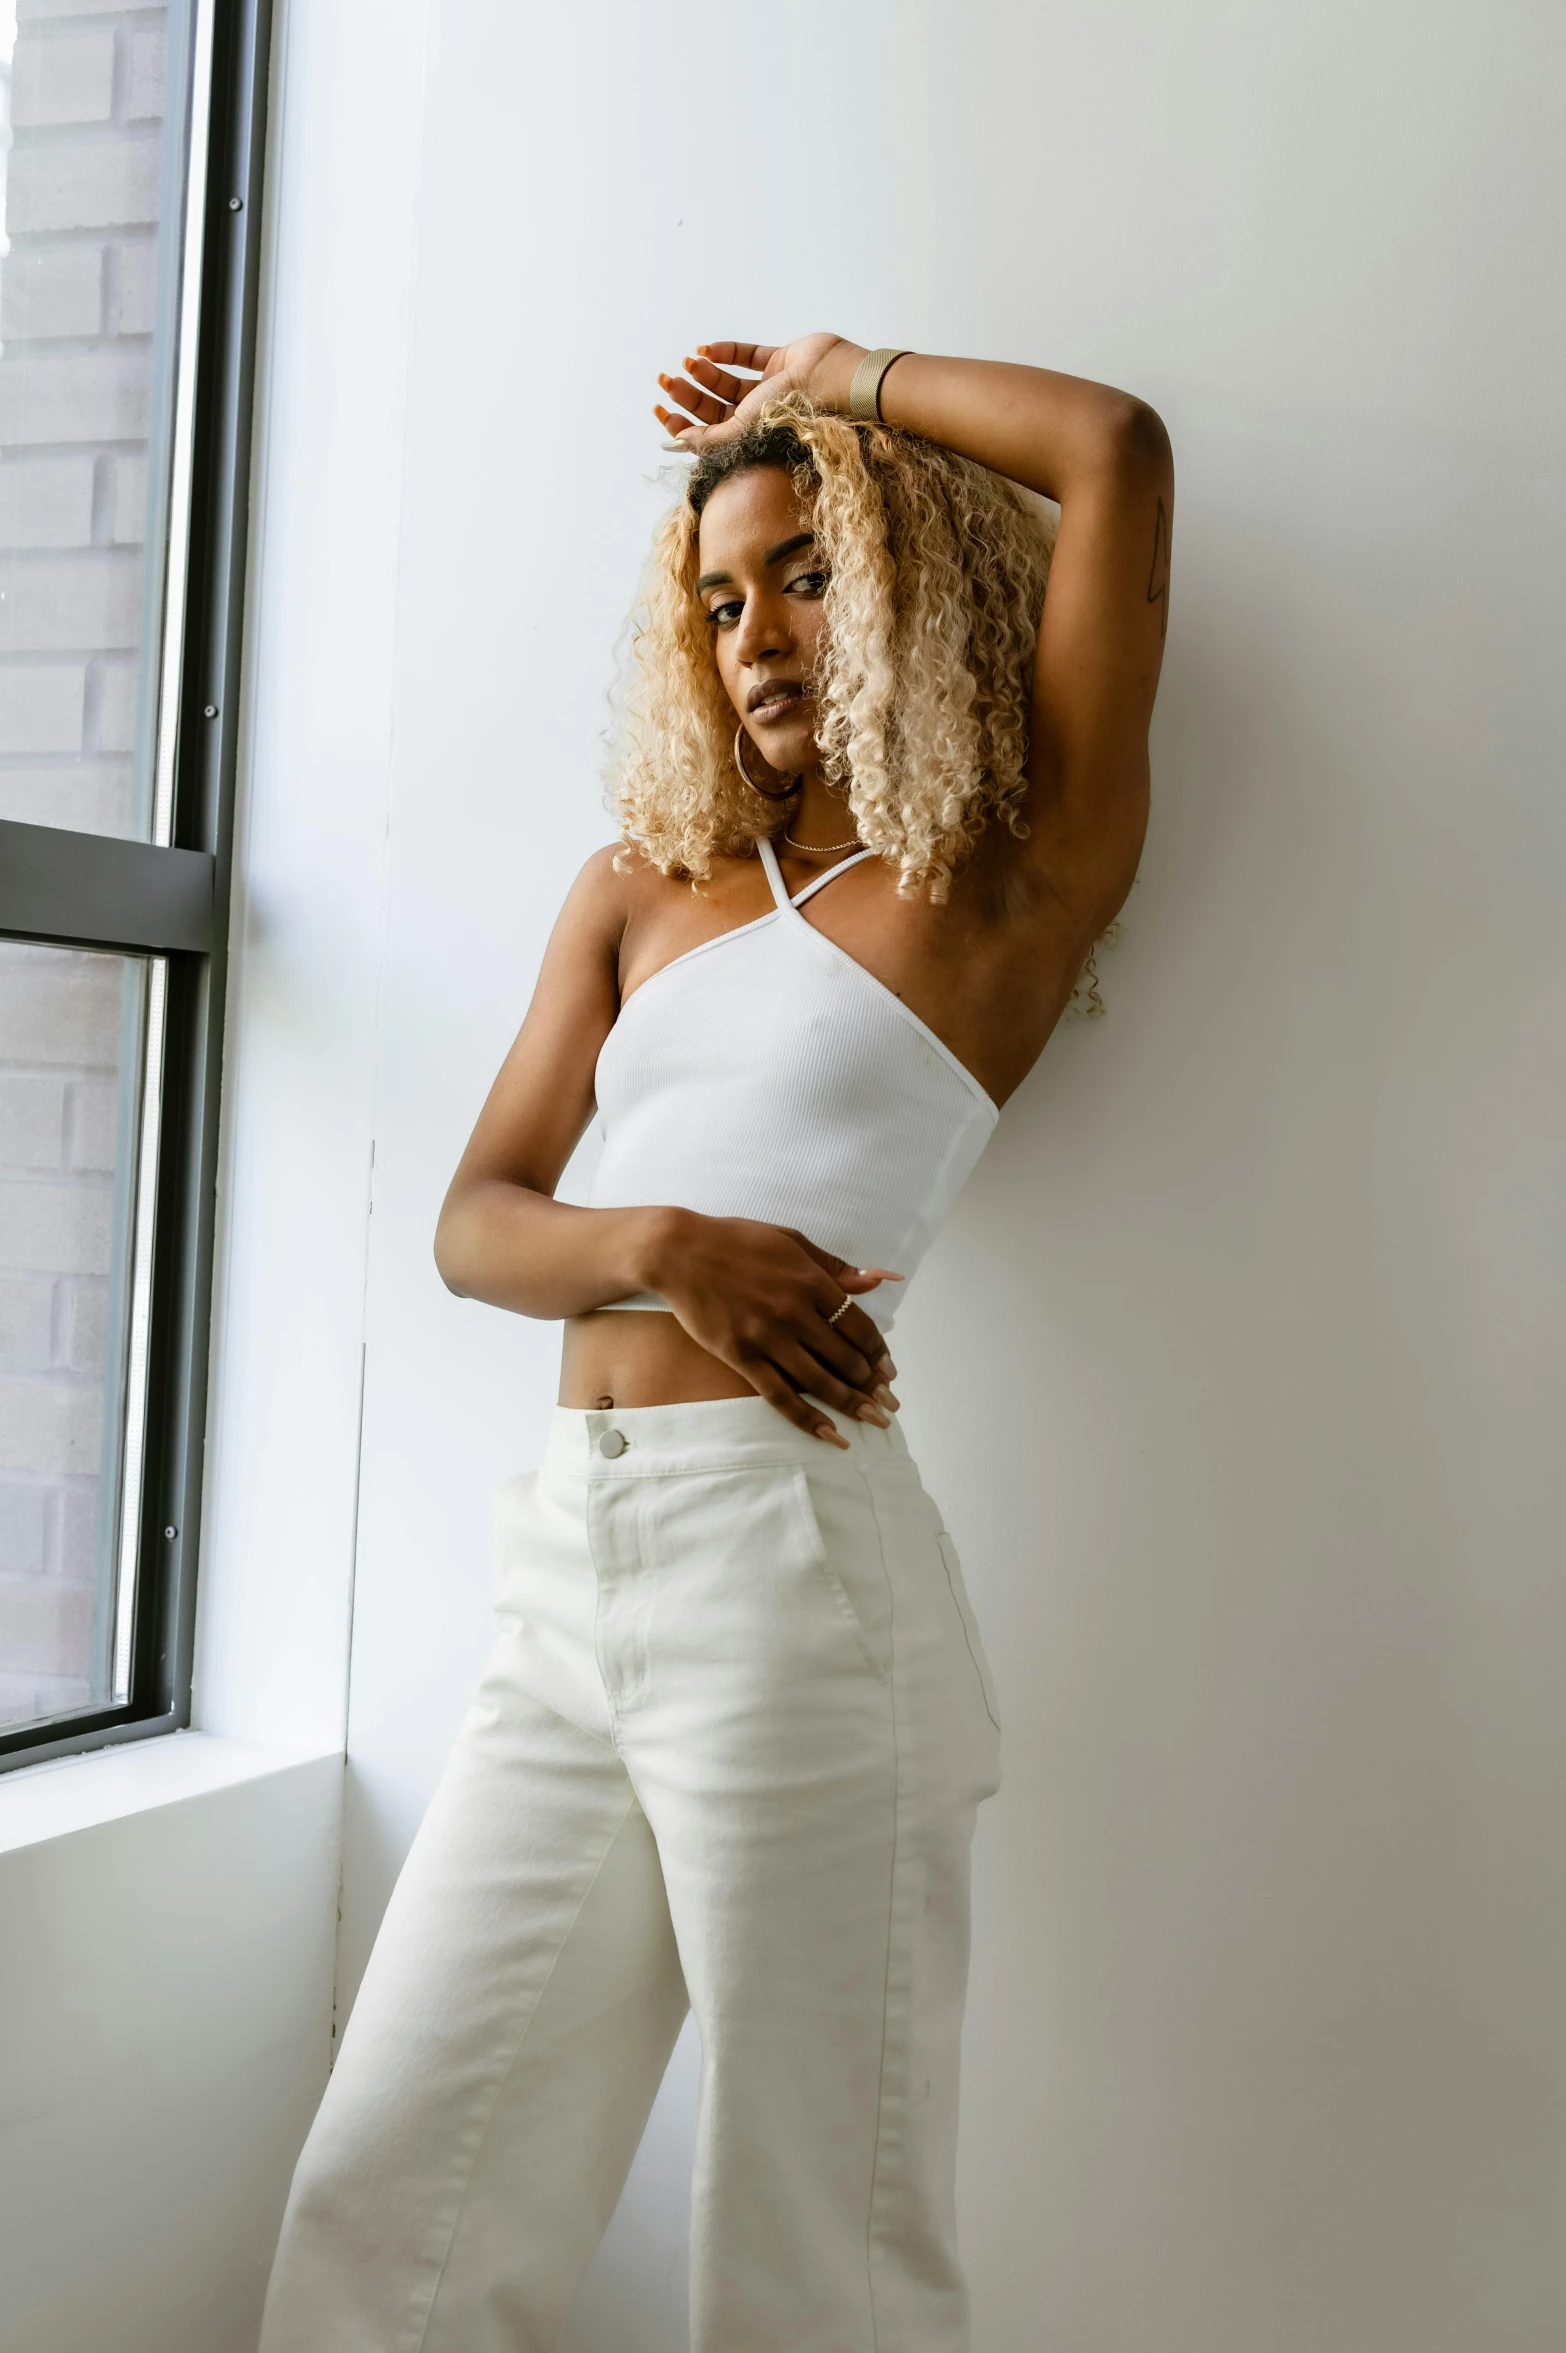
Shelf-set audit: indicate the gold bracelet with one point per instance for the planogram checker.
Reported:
(864, 394)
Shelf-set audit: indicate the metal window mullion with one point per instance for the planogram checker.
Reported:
(87, 890)
(207, 738)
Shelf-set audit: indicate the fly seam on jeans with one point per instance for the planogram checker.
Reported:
(598, 1620)
(649, 1573)
(891, 1923)
(510, 2067)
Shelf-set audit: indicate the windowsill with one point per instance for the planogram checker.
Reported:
(67, 1794)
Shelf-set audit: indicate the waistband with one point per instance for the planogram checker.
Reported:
(710, 1434)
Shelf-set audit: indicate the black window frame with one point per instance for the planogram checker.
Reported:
(64, 889)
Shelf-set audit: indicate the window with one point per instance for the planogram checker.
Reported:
(130, 156)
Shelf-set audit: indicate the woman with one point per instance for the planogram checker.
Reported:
(730, 1745)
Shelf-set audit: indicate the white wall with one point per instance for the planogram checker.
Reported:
(165, 1974)
(309, 851)
(1237, 1372)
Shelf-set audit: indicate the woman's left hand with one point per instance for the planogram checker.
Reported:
(715, 406)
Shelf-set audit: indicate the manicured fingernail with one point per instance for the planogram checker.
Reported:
(872, 1413)
(883, 1396)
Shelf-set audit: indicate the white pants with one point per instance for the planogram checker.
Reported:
(727, 1752)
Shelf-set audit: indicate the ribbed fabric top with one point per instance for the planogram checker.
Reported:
(766, 1074)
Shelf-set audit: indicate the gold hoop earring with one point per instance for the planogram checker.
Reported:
(765, 791)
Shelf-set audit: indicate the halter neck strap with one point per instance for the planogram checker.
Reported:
(830, 875)
(769, 859)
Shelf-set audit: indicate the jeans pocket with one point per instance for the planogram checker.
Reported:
(970, 1627)
(821, 1561)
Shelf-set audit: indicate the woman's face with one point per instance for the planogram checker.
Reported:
(761, 587)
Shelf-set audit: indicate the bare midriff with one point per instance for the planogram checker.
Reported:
(639, 1356)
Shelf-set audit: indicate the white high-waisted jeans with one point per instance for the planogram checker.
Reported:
(727, 1752)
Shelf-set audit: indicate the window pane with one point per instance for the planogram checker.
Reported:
(92, 167)
(77, 1082)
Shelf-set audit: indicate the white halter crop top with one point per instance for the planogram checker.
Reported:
(766, 1074)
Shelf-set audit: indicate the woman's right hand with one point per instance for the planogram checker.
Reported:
(758, 1296)
(713, 405)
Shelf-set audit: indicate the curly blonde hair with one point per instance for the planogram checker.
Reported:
(937, 569)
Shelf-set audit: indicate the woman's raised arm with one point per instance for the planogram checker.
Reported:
(1103, 456)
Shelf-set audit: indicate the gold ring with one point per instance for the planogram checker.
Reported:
(848, 1301)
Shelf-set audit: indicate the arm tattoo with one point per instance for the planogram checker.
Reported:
(1158, 577)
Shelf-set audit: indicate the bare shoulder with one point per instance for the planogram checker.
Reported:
(623, 916)
(603, 883)
(601, 901)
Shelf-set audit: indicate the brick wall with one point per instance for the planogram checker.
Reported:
(77, 283)
(59, 1055)
(76, 318)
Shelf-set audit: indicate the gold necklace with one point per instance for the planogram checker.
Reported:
(821, 849)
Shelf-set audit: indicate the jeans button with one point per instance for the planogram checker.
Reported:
(613, 1442)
